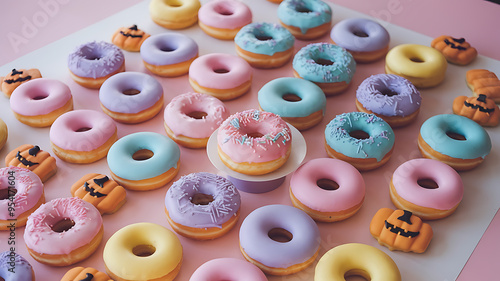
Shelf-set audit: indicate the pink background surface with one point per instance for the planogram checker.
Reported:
(42, 22)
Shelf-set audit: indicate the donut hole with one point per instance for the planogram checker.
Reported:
(174, 3)
(262, 36)
(131, 92)
(63, 225)
(324, 62)
(221, 70)
(388, 92)
(356, 275)
(39, 96)
(82, 129)
(142, 154)
(223, 10)
(427, 183)
(327, 184)
(417, 59)
(360, 33)
(359, 134)
(6, 193)
(143, 250)
(202, 199)
(291, 97)
(302, 9)
(281, 235)
(1, 279)
(197, 114)
(255, 135)
(456, 136)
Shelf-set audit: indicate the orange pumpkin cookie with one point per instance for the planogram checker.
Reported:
(485, 82)
(85, 274)
(481, 109)
(456, 51)
(16, 78)
(400, 230)
(33, 158)
(99, 190)
(129, 38)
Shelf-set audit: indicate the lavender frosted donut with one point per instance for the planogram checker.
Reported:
(228, 269)
(92, 63)
(279, 239)
(131, 97)
(169, 54)
(365, 39)
(390, 97)
(202, 206)
(14, 267)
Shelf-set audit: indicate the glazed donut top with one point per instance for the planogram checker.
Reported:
(95, 59)
(430, 62)
(264, 38)
(29, 190)
(344, 34)
(389, 95)
(40, 237)
(22, 268)
(225, 204)
(304, 14)
(168, 48)
(225, 14)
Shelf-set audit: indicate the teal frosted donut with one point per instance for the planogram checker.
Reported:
(329, 66)
(455, 140)
(364, 140)
(144, 161)
(297, 101)
(305, 19)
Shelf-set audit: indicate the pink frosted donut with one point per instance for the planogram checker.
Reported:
(428, 188)
(39, 102)
(327, 189)
(228, 269)
(222, 19)
(220, 75)
(63, 231)
(191, 118)
(82, 136)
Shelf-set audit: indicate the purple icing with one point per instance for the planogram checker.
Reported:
(95, 59)
(256, 186)
(360, 35)
(389, 95)
(14, 267)
(168, 48)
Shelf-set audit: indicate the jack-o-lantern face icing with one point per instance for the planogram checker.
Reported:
(480, 109)
(455, 50)
(400, 230)
(85, 274)
(33, 158)
(16, 77)
(484, 82)
(101, 191)
(129, 38)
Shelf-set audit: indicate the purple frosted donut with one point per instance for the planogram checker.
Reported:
(14, 267)
(391, 97)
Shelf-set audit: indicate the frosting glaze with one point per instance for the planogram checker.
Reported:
(40, 237)
(225, 14)
(344, 33)
(228, 269)
(256, 243)
(168, 48)
(176, 14)
(234, 140)
(29, 191)
(315, 13)
(277, 38)
(403, 98)
(450, 187)
(111, 93)
(95, 59)
(22, 268)
(177, 119)
(306, 63)
(379, 143)
(226, 200)
(166, 154)
(434, 132)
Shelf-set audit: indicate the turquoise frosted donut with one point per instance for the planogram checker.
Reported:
(438, 140)
(297, 101)
(144, 161)
(305, 19)
(364, 140)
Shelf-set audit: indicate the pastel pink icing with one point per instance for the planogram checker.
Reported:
(29, 190)
(65, 133)
(39, 97)
(228, 269)
(206, 71)
(350, 193)
(450, 187)
(225, 14)
(234, 141)
(40, 238)
(180, 123)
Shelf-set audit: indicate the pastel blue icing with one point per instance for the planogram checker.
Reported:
(318, 13)
(166, 155)
(270, 97)
(282, 39)
(305, 63)
(477, 143)
(379, 143)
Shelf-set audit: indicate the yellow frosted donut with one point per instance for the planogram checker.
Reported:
(3, 133)
(174, 14)
(356, 259)
(424, 66)
(143, 251)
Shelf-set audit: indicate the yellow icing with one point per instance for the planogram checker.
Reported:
(416, 61)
